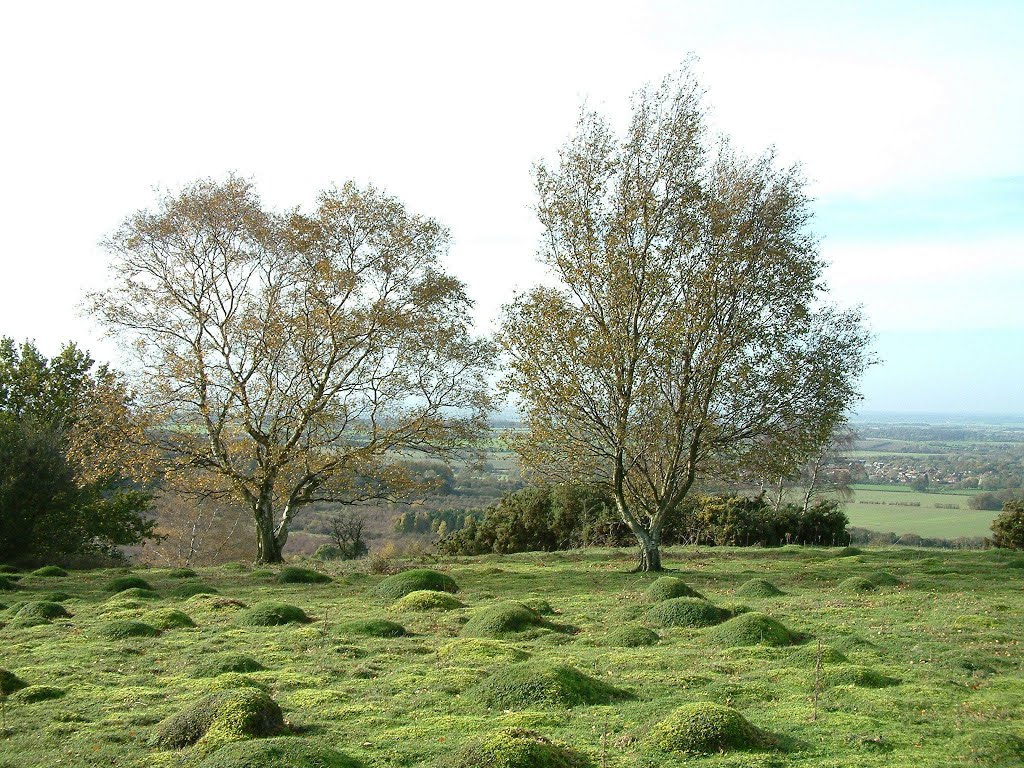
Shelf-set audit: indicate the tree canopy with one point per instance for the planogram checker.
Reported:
(73, 479)
(290, 356)
(685, 333)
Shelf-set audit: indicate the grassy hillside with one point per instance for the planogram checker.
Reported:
(920, 666)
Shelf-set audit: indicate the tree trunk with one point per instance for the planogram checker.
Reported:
(650, 551)
(268, 547)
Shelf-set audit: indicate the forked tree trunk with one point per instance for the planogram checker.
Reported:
(650, 550)
(268, 545)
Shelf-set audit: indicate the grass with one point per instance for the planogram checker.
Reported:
(927, 673)
(899, 510)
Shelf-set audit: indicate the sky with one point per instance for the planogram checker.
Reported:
(906, 118)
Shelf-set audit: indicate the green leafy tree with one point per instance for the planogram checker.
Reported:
(684, 334)
(291, 357)
(1008, 527)
(72, 477)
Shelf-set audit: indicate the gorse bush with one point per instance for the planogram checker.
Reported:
(1008, 527)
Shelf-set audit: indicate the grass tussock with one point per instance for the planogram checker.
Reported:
(401, 584)
(227, 662)
(168, 618)
(501, 620)
(224, 716)
(856, 584)
(124, 629)
(423, 600)
(190, 588)
(518, 748)
(630, 636)
(374, 628)
(542, 684)
(858, 675)
(750, 629)
(296, 575)
(759, 588)
(690, 612)
(669, 587)
(273, 615)
(479, 651)
(705, 728)
(50, 571)
(884, 579)
(122, 583)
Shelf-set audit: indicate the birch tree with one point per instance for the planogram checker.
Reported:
(685, 329)
(290, 357)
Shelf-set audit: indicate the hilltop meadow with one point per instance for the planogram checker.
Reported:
(755, 657)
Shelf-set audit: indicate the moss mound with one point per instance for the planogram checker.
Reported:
(884, 579)
(669, 587)
(230, 681)
(50, 571)
(501, 620)
(860, 676)
(122, 583)
(168, 618)
(190, 588)
(760, 588)
(181, 573)
(41, 609)
(294, 575)
(287, 751)
(686, 612)
(10, 682)
(849, 552)
(479, 651)
(857, 584)
(630, 636)
(542, 684)
(374, 628)
(401, 584)
(122, 630)
(32, 693)
(274, 615)
(135, 593)
(427, 600)
(750, 629)
(705, 728)
(56, 597)
(227, 662)
(7, 584)
(4, 568)
(540, 606)
(205, 601)
(994, 747)
(518, 748)
(223, 716)
(808, 655)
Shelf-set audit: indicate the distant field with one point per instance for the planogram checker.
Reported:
(926, 514)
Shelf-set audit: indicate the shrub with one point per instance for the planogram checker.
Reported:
(227, 715)
(181, 573)
(501, 620)
(33, 693)
(1008, 527)
(686, 612)
(227, 662)
(374, 628)
(122, 583)
(630, 636)
(884, 579)
(294, 575)
(168, 618)
(287, 751)
(135, 593)
(760, 588)
(857, 584)
(10, 682)
(479, 651)
(669, 587)
(274, 615)
(518, 748)
(750, 629)
(122, 630)
(188, 589)
(426, 600)
(401, 584)
(50, 571)
(705, 728)
(860, 676)
(542, 683)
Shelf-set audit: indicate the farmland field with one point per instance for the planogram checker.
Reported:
(901, 510)
(884, 657)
